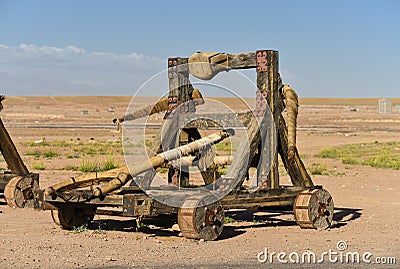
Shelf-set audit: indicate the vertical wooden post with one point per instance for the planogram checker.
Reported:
(268, 93)
(179, 102)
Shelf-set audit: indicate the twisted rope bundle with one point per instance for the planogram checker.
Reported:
(292, 107)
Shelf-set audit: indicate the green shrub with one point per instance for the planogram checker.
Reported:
(380, 155)
(319, 169)
(33, 152)
(349, 160)
(109, 164)
(38, 166)
(229, 220)
(50, 153)
(88, 166)
(95, 166)
(80, 229)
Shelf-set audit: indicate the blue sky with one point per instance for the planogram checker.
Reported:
(327, 48)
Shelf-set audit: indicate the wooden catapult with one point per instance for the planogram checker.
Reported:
(200, 215)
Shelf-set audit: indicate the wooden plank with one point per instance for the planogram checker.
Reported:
(258, 204)
(109, 200)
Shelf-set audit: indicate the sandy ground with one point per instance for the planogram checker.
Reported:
(366, 201)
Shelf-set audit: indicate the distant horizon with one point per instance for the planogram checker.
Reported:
(211, 97)
(147, 100)
(246, 97)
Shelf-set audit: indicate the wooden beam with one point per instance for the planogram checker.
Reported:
(179, 95)
(213, 120)
(242, 60)
(73, 198)
(10, 153)
(276, 197)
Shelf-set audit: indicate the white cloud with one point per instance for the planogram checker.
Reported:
(28, 69)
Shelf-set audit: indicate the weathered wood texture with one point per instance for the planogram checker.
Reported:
(201, 217)
(139, 204)
(213, 120)
(19, 191)
(85, 180)
(313, 209)
(275, 197)
(267, 81)
(180, 90)
(242, 60)
(206, 65)
(10, 153)
(50, 202)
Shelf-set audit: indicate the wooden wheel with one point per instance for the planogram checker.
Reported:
(19, 191)
(313, 209)
(71, 217)
(201, 217)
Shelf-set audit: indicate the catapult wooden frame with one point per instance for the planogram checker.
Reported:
(72, 204)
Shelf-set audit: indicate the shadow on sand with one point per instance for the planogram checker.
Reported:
(241, 220)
